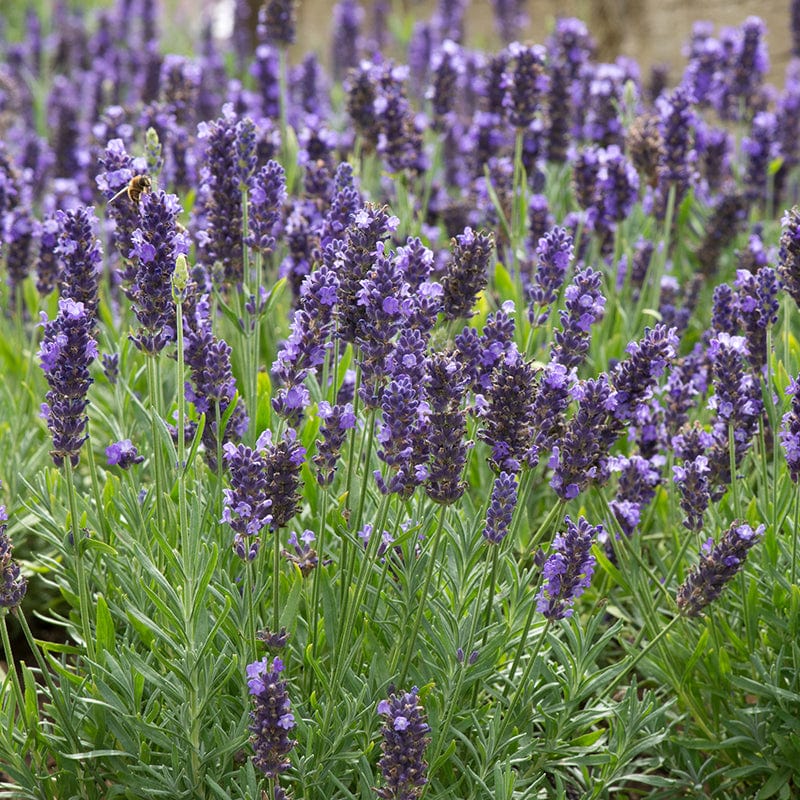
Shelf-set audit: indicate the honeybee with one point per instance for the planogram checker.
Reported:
(137, 186)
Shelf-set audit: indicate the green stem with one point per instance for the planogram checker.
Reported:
(737, 506)
(83, 587)
(276, 582)
(794, 528)
(411, 641)
(108, 533)
(158, 460)
(323, 524)
(12, 667)
(543, 528)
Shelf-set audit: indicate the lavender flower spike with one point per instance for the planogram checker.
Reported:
(13, 583)
(554, 253)
(467, 273)
(501, 508)
(67, 350)
(789, 257)
(790, 435)
(272, 719)
(568, 570)
(123, 454)
(404, 741)
(718, 565)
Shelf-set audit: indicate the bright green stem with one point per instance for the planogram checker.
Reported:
(276, 581)
(158, 455)
(77, 538)
(220, 468)
(187, 549)
(794, 528)
(538, 536)
(108, 532)
(12, 666)
(411, 642)
(490, 595)
(737, 504)
(323, 524)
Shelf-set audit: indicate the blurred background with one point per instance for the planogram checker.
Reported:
(653, 32)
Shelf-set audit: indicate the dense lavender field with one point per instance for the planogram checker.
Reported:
(424, 424)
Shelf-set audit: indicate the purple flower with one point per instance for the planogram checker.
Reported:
(211, 381)
(13, 583)
(789, 256)
(48, 269)
(336, 421)
(267, 196)
(405, 737)
(347, 18)
(302, 555)
(508, 419)
(277, 18)
(81, 257)
(568, 570)
(554, 254)
(718, 565)
(635, 377)
(692, 481)
(758, 309)
(246, 505)
(584, 306)
(123, 454)
(727, 218)
(271, 719)
(157, 242)
(509, 18)
(345, 201)
(501, 508)
(677, 124)
(467, 272)
(790, 433)
(526, 83)
(581, 455)
(445, 386)
(283, 461)
(67, 350)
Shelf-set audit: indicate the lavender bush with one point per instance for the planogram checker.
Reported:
(427, 427)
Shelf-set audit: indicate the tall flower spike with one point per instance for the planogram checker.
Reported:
(67, 350)
(789, 256)
(81, 256)
(554, 254)
(157, 242)
(13, 583)
(283, 461)
(501, 508)
(790, 433)
(271, 719)
(718, 565)
(584, 306)
(568, 570)
(467, 272)
(405, 737)
(336, 421)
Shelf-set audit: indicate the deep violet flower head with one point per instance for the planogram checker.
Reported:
(347, 18)
(635, 377)
(789, 256)
(48, 268)
(445, 385)
(554, 254)
(568, 570)
(509, 18)
(405, 737)
(246, 505)
(467, 272)
(13, 584)
(211, 380)
(790, 430)
(719, 563)
(123, 454)
(277, 20)
(67, 350)
(267, 194)
(584, 305)
(81, 257)
(302, 554)
(526, 83)
(692, 480)
(271, 719)
(508, 416)
(336, 421)
(156, 244)
(283, 462)
(758, 309)
(501, 508)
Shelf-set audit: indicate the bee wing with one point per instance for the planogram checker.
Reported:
(119, 193)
